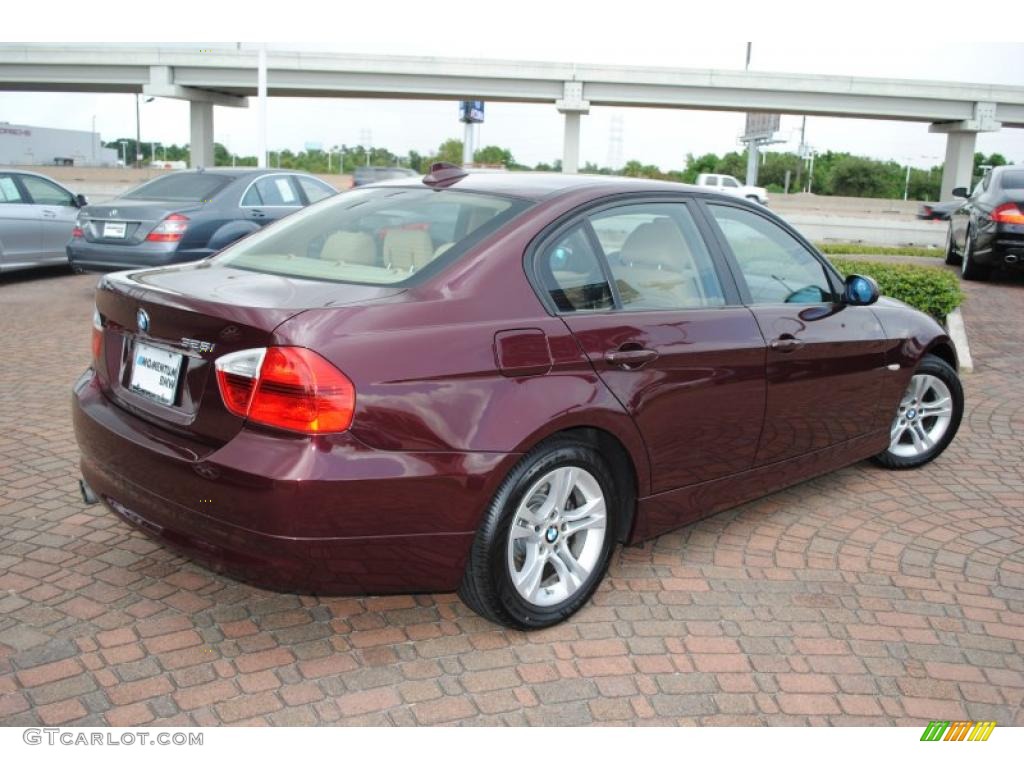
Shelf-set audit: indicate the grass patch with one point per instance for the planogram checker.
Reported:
(881, 250)
(930, 289)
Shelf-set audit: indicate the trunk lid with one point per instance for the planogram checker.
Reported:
(195, 313)
(139, 217)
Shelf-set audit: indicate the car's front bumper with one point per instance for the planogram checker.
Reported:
(327, 515)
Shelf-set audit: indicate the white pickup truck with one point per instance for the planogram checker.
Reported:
(730, 186)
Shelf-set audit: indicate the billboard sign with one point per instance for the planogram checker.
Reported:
(471, 111)
(761, 125)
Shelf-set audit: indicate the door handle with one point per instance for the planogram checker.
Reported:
(629, 359)
(49, 214)
(786, 343)
(257, 214)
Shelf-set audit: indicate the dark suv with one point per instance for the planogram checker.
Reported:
(186, 216)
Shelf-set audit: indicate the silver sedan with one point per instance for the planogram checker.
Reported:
(36, 218)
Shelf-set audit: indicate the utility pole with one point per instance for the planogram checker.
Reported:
(261, 107)
(138, 134)
(124, 152)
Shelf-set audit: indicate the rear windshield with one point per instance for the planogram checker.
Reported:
(190, 187)
(376, 236)
(1013, 180)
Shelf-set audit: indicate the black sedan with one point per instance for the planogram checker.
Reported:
(186, 216)
(987, 230)
(938, 211)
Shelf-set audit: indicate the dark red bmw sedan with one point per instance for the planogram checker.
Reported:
(483, 382)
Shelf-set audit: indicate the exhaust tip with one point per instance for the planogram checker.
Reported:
(1012, 258)
(88, 496)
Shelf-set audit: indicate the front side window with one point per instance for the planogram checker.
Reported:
(378, 236)
(729, 181)
(9, 192)
(570, 272)
(657, 257)
(777, 268)
(45, 192)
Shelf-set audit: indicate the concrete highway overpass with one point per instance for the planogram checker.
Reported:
(226, 76)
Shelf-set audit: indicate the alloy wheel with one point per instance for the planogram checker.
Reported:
(557, 535)
(923, 416)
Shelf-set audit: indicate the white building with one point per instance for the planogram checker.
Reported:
(32, 145)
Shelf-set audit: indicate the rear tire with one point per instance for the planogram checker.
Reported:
(927, 417)
(970, 269)
(537, 559)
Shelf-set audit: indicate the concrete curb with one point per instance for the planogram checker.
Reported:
(958, 333)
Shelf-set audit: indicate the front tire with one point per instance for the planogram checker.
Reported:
(546, 539)
(927, 417)
(952, 257)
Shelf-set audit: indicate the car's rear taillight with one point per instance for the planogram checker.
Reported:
(1008, 213)
(97, 334)
(77, 233)
(291, 388)
(170, 230)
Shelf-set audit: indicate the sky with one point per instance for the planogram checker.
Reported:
(534, 132)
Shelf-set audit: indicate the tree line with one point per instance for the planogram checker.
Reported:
(834, 173)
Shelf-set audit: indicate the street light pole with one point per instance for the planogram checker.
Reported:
(138, 134)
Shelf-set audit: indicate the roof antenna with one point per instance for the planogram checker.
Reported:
(444, 174)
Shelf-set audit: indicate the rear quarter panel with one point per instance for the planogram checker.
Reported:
(425, 368)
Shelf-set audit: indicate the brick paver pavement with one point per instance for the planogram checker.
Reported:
(865, 596)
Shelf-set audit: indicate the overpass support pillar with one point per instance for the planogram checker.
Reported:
(961, 137)
(572, 105)
(201, 138)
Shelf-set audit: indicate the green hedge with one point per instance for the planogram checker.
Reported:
(931, 289)
(887, 250)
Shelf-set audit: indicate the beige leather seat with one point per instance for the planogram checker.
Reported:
(345, 247)
(407, 250)
(655, 270)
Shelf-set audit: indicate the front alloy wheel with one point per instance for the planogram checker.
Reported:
(927, 416)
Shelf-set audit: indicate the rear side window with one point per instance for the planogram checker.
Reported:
(274, 190)
(570, 272)
(314, 190)
(376, 236)
(184, 187)
(1013, 180)
(9, 192)
(657, 257)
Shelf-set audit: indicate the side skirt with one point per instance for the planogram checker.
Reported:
(663, 512)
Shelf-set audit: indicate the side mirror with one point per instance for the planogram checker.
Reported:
(860, 291)
(81, 201)
(960, 192)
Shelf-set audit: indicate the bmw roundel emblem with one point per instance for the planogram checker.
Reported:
(142, 318)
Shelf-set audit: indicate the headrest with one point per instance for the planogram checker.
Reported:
(350, 248)
(408, 249)
(656, 244)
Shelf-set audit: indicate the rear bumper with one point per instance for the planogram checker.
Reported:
(1000, 245)
(290, 513)
(104, 257)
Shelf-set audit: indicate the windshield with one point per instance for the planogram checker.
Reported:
(377, 236)
(187, 187)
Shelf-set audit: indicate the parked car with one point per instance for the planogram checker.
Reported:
(730, 186)
(37, 215)
(483, 382)
(186, 216)
(371, 174)
(937, 211)
(987, 230)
